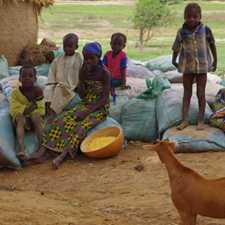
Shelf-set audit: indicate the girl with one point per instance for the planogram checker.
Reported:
(64, 133)
(195, 45)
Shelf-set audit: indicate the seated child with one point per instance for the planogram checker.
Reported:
(218, 117)
(116, 60)
(27, 107)
(63, 76)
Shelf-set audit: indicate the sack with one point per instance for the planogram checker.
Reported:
(138, 71)
(138, 119)
(137, 87)
(7, 139)
(163, 63)
(192, 140)
(155, 88)
(3, 67)
(116, 109)
(109, 122)
(169, 108)
(8, 84)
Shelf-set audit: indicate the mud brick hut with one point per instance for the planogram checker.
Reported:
(19, 26)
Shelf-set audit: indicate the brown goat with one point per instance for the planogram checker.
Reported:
(192, 194)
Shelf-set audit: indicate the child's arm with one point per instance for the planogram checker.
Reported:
(176, 49)
(174, 59)
(212, 46)
(16, 106)
(123, 76)
(123, 70)
(104, 61)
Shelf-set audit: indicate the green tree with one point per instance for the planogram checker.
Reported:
(149, 14)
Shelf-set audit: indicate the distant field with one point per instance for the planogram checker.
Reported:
(95, 21)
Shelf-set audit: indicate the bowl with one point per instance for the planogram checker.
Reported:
(113, 141)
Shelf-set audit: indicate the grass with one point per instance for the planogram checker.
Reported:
(98, 22)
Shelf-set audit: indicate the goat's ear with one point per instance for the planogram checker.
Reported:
(150, 147)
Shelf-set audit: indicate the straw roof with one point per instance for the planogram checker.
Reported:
(38, 4)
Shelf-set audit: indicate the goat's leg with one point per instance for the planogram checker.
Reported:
(187, 218)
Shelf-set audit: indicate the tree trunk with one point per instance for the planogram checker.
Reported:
(149, 35)
(141, 38)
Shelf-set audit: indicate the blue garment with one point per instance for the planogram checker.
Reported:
(193, 48)
(93, 48)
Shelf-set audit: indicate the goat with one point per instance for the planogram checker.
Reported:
(191, 193)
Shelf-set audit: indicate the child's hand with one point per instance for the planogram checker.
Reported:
(30, 108)
(49, 111)
(175, 63)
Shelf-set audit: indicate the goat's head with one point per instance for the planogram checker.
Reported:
(161, 147)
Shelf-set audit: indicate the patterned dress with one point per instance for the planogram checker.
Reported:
(219, 108)
(65, 131)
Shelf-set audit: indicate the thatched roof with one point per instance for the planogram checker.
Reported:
(38, 4)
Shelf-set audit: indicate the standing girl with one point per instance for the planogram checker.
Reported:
(195, 45)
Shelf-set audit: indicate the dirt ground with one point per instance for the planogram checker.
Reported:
(130, 189)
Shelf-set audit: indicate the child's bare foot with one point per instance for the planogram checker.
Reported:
(200, 126)
(183, 125)
(56, 162)
(59, 159)
(71, 154)
(34, 161)
(21, 155)
(38, 154)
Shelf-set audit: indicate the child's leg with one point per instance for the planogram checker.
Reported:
(201, 84)
(37, 122)
(59, 159)
(187, 84)
(20, 124)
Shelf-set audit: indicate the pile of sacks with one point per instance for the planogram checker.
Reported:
(150, 109)
(147, 117)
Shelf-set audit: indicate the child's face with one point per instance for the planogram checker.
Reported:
(192, 18)
(90, 60)
(27, 77)
(117, 44)
(69, 47)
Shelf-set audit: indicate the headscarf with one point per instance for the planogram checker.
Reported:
(93, 48)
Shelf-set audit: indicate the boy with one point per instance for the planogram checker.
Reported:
(116, 60)
(63, 76)
(27, 107)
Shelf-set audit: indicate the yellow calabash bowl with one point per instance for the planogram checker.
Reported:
(109, 150)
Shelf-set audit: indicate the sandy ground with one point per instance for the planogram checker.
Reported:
(99, 192)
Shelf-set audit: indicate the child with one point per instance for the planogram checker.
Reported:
(217, 119)
(116, 60)
(63, 76)
(195, 45)
(27, 107)
(64, 133)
